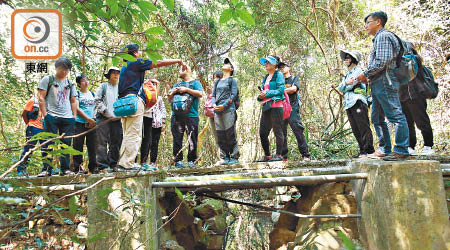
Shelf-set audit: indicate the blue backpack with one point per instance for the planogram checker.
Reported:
(181, 103)
(407, 66)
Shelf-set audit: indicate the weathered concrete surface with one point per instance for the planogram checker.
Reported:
(329, 198)
(128, 216)
(402, 205)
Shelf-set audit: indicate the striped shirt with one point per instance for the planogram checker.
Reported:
(384, 53)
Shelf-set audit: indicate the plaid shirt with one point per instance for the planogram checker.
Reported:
(384, 52)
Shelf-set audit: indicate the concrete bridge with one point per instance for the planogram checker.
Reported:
(401, 205)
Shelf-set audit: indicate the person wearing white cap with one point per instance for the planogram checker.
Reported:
(109, 136)
(355, 103)
(271, 96)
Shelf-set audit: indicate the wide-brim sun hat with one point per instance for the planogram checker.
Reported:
(111, 69)
(353, 53)
(270, 59)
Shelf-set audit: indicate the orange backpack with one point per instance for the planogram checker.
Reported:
(149, 93)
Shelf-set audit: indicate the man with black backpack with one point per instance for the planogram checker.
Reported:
(414, 105)
(184, 97)
(58, 105)
(292, 87)
(384, 85)
(32, 117)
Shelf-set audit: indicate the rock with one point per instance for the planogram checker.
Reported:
(279, 237)
(171, 245)
(217, 224)
(208, 208)
(214, 242)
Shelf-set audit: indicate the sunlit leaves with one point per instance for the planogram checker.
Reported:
(170, 4)
(237, 11)
(245, 16)
(146, 6)
(226, 15)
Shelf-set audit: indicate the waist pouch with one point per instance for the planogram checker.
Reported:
(125, 106)
(267, 105)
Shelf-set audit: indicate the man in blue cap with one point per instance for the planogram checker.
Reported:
(130, 81)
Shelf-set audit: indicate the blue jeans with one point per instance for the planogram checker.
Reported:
(29, 132)
(387, 104)
(58, 125)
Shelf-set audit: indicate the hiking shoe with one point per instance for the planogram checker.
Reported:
(427, 150)
(191, 164)
(376, 155)
(149, 167)
(119, 169)
(67, 172)
(306, 158)
(395, 157)
(95, 171)
(276, 158)
(233, 161)
(22, 173)
(265, 159)
(411, 151)
(223, 161)
(179, 164)
(44, 174)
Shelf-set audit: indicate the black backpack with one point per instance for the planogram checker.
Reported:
(431, 89)
(33, 115)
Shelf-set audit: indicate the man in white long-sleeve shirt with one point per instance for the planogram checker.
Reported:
(109, 136)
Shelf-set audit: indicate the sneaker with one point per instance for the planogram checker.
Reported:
(362, 156)
(119, 169)
(285, 159)
(395, 157)
(265, 159)
(376, 155)
(149, 167)
(427, 150)
(223, 161)
(276, 158)
(233, 161)
(95, 171)
(22, 173)
(411, 151)
(67, 172)
(179, 164)
(44, 174)
(191, 164)
(306, 158)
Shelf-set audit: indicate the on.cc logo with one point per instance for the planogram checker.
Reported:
(36, 34)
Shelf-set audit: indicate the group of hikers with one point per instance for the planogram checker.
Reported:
(113, 141)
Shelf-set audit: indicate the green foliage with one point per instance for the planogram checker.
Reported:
(238, 9)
